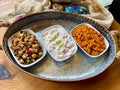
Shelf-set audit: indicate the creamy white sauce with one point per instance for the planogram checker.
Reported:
(59, 43)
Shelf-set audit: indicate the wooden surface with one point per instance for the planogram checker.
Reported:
(108, 80)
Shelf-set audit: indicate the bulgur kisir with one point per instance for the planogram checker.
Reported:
(89, 39)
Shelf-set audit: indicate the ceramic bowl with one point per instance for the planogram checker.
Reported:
(10, 44)
(58, 42)
(106, 43)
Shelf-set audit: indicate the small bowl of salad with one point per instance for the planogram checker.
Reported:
(58, 42)
(26, 48)
(90, 40)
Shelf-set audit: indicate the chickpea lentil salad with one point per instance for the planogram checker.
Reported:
(26, 48)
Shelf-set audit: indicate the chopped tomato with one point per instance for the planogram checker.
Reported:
(23, 39)
(22, 44)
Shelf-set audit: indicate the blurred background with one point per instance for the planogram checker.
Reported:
(113, 6)
(115, 10)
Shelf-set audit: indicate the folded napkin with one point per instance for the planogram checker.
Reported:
(23, 8)
(96, 11)
(32, 6)
(116, 35)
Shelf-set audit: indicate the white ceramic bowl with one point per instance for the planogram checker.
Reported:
(57, 44)
(106, 42)
(36, 61)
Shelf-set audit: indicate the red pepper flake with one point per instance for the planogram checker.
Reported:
(16, 42)
(23, 39)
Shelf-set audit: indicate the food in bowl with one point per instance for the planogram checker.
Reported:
(26, 48)
(58, 42)
(89, 39)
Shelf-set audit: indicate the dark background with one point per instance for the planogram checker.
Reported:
(115, 10)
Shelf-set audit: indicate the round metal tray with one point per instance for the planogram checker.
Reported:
(80, 66)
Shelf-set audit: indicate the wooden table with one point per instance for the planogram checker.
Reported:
(108, 80)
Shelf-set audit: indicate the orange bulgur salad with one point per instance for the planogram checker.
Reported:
(89, 39)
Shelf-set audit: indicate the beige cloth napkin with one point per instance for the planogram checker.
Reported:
(24, 6)
(96, 11)
(32, 6)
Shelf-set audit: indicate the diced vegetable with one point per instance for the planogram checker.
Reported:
(26, 47)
